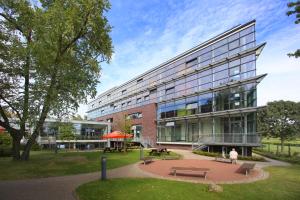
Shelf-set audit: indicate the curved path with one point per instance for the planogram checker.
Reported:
(64, 187)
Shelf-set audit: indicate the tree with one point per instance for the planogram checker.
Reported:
(124, 125)
(66, 131)
(280, 119)
(77, 117)
(50, 61)
(295, 10)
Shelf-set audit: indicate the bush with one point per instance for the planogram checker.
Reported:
(213, 154)
(5, 145)
(5, 151)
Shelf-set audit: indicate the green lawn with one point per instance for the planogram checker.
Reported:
(45, 164)
(284, 183)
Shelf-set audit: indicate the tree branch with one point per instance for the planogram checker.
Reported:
(11, 106)
(12, 21)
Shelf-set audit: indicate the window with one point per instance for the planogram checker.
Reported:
(139, 80)
(146, 97)
(136, 115)
(205, 103)
(153, 91)
(123, 104)
(170, 90)
(110, 120)
(123, 91)
(128, 103)
(99, 102)
(191, 108)
(93, 105)
(102, 111)
(108, 95)
(138, 100)
(111, 105)
(191, 62)
(115, 107)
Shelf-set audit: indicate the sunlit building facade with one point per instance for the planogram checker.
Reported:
(203, 98)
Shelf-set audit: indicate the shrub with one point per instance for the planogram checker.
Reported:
(213, 154)
(5, 145)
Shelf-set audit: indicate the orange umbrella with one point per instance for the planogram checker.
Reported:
(116, 134)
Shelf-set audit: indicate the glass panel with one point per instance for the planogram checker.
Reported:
(205, 103)
(180, 128)
(192, 130)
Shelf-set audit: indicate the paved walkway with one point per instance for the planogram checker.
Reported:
(63, 188)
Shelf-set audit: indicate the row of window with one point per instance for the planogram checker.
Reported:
(204, 57)
(235, 70)
(234, 98)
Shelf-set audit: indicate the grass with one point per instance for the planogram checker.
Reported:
(273, 148)
(284, 183)
(47, 164)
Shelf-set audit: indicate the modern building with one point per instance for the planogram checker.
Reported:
(203, 98)
(86, 133)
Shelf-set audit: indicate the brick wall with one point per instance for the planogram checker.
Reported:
(147, 121)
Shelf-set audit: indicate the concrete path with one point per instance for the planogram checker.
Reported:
(63, 188)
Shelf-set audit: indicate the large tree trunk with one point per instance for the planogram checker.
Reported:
(16, 149)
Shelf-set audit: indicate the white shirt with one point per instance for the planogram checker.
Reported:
(233, 155)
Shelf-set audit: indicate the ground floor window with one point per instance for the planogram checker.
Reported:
(237, 128)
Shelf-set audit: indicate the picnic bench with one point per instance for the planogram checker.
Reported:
(203, 171)
(221, 159)
(156, 151)
(147, 159)
(246, 168)
(109, 149)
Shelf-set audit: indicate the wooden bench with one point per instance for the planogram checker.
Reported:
(221, 159)
(246, 168)
(170, 157)
(203, 171)
(147, 159)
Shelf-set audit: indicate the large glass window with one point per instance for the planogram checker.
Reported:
(180, 109)
(192, 130)
(180, 129)
(205, 103)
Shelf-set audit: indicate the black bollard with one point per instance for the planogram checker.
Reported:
(141, 153)
(103, 168)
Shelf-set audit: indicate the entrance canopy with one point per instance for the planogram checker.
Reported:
(116, 135)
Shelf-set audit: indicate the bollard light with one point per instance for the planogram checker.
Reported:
(103, 168)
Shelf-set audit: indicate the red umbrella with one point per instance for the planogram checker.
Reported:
(2, 129)
(116, 134)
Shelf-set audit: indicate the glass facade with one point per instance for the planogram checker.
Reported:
(214, 77)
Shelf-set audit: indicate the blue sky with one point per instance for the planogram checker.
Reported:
(148, 32)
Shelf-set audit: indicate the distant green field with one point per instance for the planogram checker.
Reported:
(277, 140)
